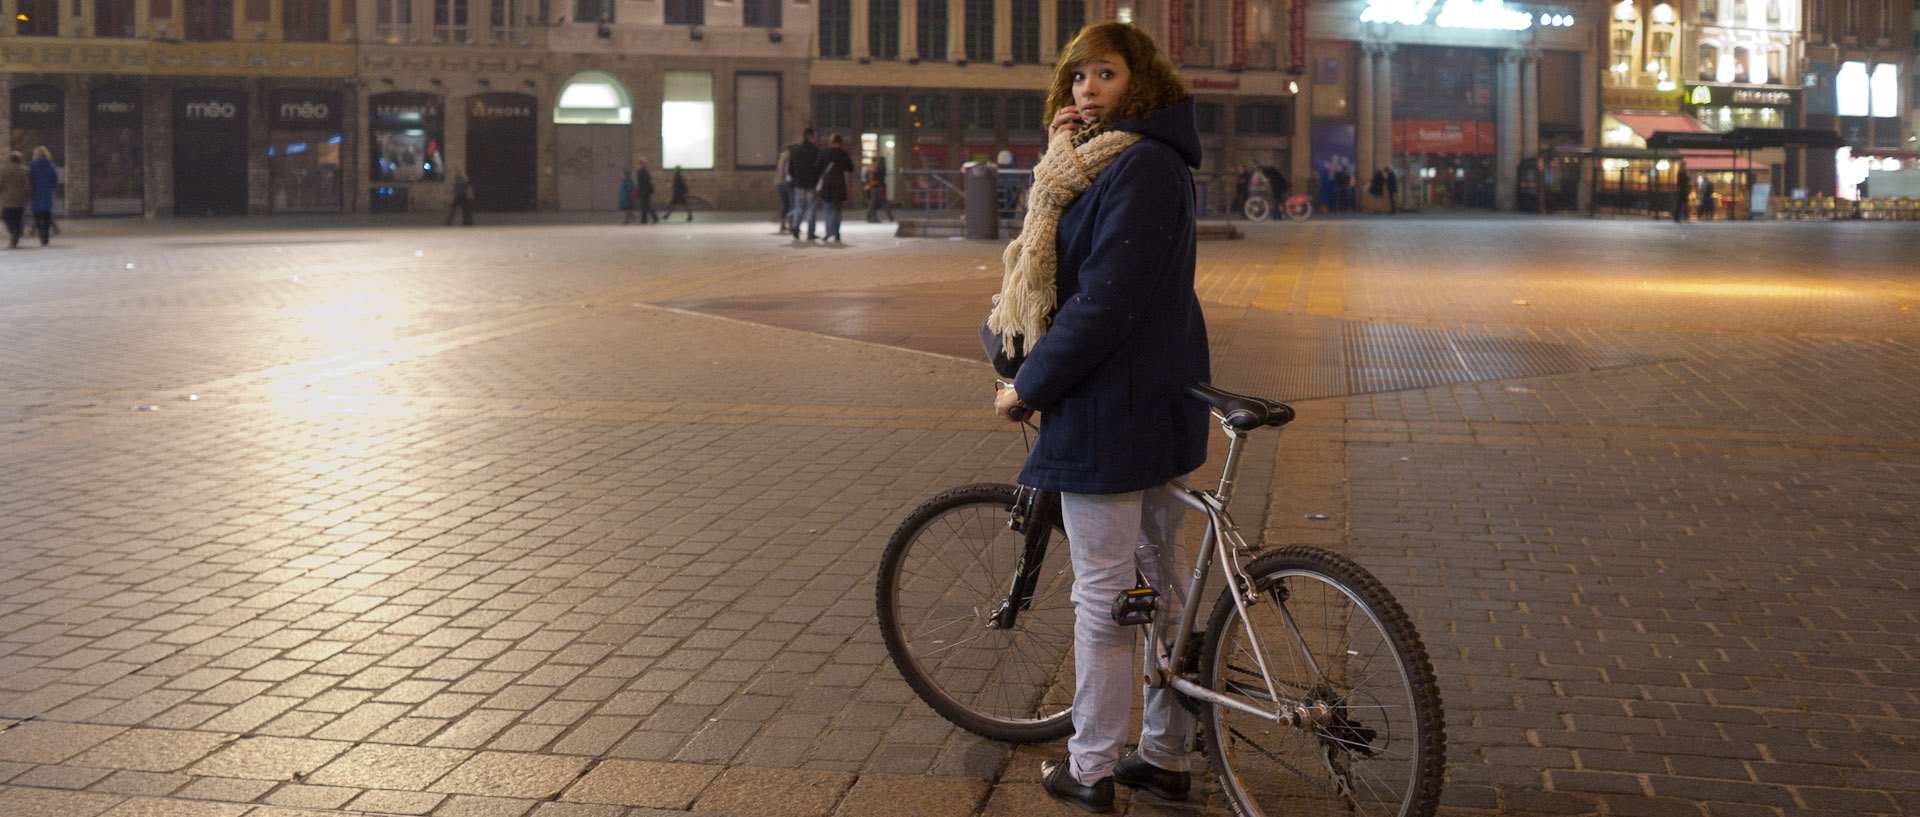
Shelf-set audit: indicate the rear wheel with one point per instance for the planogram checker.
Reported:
(1298, 208)
(1258, 208)
(944, 581)
(1370, 739)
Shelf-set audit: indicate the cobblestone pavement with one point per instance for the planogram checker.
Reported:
(305, 517)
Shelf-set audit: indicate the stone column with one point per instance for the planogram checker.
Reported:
(860, 47)
(1530, 105)
(1364, 115)
(1507, 152)
(1382, 122)
(956, 30)
(1002, 30)
(909, 29)
(1050, 23)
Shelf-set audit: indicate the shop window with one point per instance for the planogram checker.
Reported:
(113, 18)
(977, 112)
(880, 112)
(760, 13)
(1026, 31)
(756, 119)
(405, 137)
(688, 13)
(835, 112)
(836, 28)
(1776, 65)
(208, 20)
(38, 18)
(930, 29)
(1259, 120)
(1660, 53)
(393, 20)
(930, 112)
(883, 29)
(1742, 63)
(1070, 17)
(305, 21)
(1206, 117)
(686, 120)
(1026, 113)
(979, 21)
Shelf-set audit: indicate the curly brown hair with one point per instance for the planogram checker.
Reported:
(1154, 83)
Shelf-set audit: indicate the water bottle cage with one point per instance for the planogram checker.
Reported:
(1135, 606)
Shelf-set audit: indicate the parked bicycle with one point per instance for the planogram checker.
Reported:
(1297, 207)
(1314, 693)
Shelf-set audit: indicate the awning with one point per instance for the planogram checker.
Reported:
(1698, 160)
(1647, 124)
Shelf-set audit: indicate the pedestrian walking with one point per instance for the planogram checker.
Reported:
(643, 194)
(677, 196)
(1706, 198)
(783, 184)
(45, 177)
(462, 200)
(877, 190)
(835, 185)
(16, 189)
(1393, 192)
(1342, 188)
(626, 196)
(803, 166)
(1099, 292)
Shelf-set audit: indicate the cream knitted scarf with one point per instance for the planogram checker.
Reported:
(1027, 295)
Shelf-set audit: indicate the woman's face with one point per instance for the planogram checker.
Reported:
(1098, 83)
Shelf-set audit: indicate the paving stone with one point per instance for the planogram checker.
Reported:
(270, 758)
(47, 742)
(672, 786)
(156, 807)
(371, 766)
(775, 792)
(882, 795)
(515, 775)
(152, 750)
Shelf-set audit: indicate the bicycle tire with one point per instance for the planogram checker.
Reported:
(1298, 208)
(1383, 734)
(947, 566)
(1257, 208)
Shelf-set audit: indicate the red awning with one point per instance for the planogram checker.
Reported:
(1698, 160)
(1646, 124)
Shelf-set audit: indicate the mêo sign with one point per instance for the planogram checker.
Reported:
(210, 109)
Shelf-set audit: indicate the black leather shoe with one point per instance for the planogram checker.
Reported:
(1058, 780)
(1133, 771)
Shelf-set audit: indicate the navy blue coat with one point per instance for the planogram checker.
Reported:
(1108, 376)
(45, 178)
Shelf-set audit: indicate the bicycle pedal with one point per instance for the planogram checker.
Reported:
(1135, 606)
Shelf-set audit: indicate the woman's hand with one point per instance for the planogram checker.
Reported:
(1006, 404)
(1067, 117)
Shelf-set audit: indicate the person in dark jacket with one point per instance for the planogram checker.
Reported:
(462, 200)
(877, 190)
(836, 176)
(643, 194)
(803, 162)
(677, 196)
(1107, 370)
(626, 196)
(45, 177)
(16, 188)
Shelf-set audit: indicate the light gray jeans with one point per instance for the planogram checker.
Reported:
(1110, 534)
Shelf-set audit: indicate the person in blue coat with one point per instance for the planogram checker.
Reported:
(45, 177)
(626, 195)
(1108, 357)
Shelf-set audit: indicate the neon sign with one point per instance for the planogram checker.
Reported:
(1481, 14)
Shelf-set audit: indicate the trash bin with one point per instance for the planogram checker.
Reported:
(979, 183)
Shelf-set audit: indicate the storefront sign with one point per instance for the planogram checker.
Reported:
(116, 108)
(1752, 97)
(304, 110)
(500, 106)
(38, 106)
(210, 109)
(405, 109)
(1297, 37)
(1209, 84)
(1238, 40)
(1640, 99)
(1478, 14)
(1419, 136)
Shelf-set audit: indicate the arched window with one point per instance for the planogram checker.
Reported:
(1742, 60)
(593, 98)
(1709, 61)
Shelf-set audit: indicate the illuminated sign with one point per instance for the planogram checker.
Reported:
(1481, 14)
(1702, 95)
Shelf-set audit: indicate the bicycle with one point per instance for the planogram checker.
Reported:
(1313, 691)
(1297, 207)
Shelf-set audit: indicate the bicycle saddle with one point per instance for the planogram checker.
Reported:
(1242, 413)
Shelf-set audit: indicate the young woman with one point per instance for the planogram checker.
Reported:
(836, 169)
(1099, 292)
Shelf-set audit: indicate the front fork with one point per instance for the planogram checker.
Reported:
(1034, 514)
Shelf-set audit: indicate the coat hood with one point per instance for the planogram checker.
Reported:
(1174, 125)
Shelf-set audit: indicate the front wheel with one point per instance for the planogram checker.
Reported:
(1298, 207)
(1257, 208)
(943, 592)
(1368, 739)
